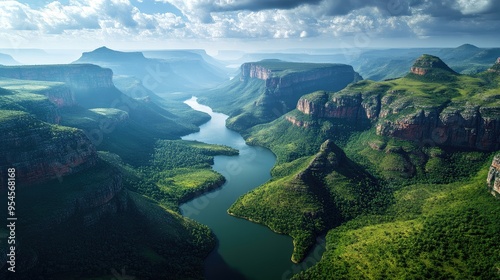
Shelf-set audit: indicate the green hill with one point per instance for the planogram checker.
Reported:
(412, 161)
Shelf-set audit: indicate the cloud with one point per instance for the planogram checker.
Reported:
(246, 19)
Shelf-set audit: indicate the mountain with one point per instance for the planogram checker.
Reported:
(181, 71)
(385, 161)
(325, 187)
(267, 89)
(432, 104)
(430, 66)
(6, 59)
(394, 63)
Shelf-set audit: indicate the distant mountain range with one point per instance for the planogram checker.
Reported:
(384, 64)
(6, 59)
(168, 71)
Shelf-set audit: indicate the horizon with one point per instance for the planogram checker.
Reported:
(65, 56)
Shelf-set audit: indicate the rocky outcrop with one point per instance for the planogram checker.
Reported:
(297, 122)
(470, 127)
(252, 70)
(496, 67)
(494, 177)
(355, 109)
(40, 152)
(427, 63)
(271, 88)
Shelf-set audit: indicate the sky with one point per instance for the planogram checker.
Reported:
(248, 25)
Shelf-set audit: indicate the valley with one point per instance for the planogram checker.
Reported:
(122, 169)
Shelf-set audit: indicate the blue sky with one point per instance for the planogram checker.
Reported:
(247, 25)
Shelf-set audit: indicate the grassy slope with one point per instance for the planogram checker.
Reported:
(303, 200)
(438, 231)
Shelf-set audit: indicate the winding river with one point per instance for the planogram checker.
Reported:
(245, 250)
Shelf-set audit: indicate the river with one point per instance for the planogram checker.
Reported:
(245, 250)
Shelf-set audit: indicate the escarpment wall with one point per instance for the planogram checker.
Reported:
(40, 152)
(470, 127)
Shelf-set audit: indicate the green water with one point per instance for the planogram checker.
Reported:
(245, 250)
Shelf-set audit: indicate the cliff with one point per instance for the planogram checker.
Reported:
(282, 78)
(494, 177)
(461, 113)
(268, 89)
(39, 151)
(77, 76)
(90, 85)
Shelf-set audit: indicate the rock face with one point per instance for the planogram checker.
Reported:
(496, 67)
(353, 109)
(464, 128)
(494, 177)
(40, 152)
(281, 83)
(271, 88)
(427, 63)
(252, 70)
(470, 127)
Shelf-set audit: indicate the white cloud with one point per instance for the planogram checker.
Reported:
(242, 19)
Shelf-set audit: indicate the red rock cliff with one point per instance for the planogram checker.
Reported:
(471, 127)
(494, 177)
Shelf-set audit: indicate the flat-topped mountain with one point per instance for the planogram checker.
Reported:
(105, 54)
(6, 59)
(91, 85)
(267, 89)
